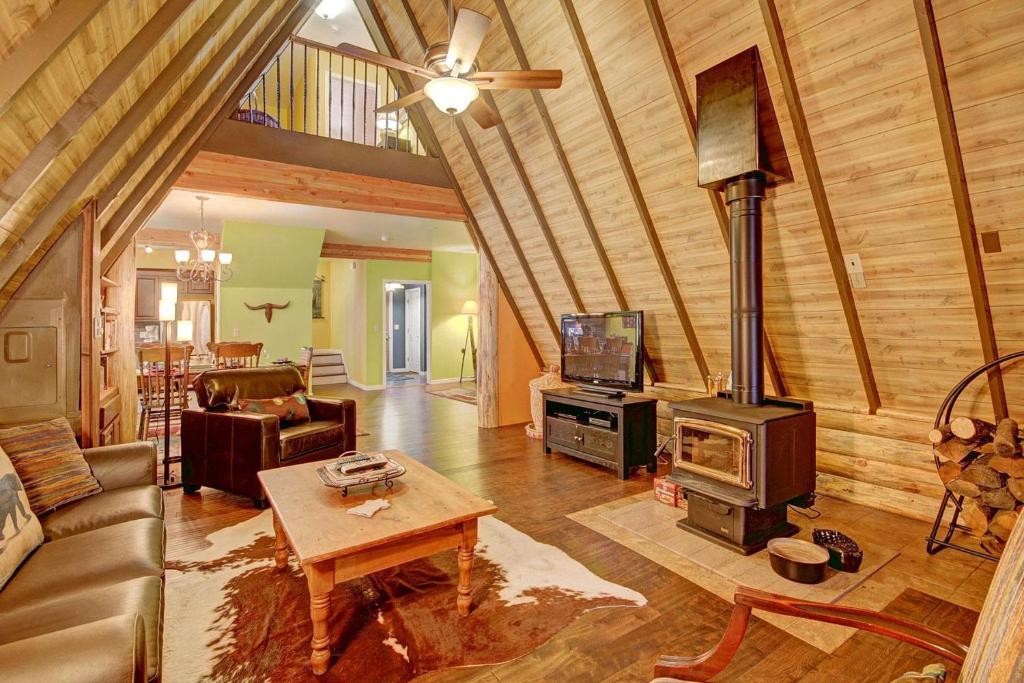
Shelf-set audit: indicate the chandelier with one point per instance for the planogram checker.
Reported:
(200, 267)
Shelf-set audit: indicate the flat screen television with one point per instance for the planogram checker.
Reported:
(604, 351)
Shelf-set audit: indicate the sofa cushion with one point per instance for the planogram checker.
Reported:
(111, 649)
(104, 509)
(87, 560)
(301, 439)
(289, 409)
(142, 596)
(20, 532)
(49, 463)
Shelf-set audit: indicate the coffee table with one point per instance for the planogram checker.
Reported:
(429, 513)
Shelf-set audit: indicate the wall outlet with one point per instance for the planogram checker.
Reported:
(855, 270)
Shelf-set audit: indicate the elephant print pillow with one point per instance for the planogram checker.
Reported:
(20, 532)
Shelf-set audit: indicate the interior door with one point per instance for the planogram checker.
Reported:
(413, 328)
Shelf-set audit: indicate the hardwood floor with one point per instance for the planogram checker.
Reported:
(535, 492)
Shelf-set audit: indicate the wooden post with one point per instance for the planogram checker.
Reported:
(90, 355)
(487, 354)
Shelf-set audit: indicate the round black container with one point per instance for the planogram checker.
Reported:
(797, 560)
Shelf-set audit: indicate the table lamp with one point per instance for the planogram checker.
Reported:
(184, 331)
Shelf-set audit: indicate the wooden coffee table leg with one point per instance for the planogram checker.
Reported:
(321, 583)
(280, 544)
(466, 567)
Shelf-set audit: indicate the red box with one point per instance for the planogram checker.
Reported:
(669, 492)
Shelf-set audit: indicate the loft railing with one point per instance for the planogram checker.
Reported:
(312, 88)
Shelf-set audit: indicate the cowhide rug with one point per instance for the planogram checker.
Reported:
(230, 616)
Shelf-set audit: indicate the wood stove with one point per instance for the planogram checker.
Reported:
(742, 458)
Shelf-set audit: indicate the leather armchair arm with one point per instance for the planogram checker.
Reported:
(226, 449)
(112, 649)
(341, 410)
(127, 464)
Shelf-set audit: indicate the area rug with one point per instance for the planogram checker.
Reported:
(230, 616)
(464, 393)
(649, 528)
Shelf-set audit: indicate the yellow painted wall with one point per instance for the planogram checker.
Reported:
(322, 327)
(347, 284)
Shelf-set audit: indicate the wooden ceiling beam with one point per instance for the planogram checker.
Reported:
(103, 87)
(485, 180)
(201, 42)
(777, 38)
(961, 198)
(362, 252)
(115, 223)
(219, 105)
(384, 42)
(612, 127)
(35, 50)
(46, 227)
(675, 75)
(567, 172)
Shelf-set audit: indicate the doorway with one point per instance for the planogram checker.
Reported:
(406, 337)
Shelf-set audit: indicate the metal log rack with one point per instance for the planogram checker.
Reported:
(943, 416)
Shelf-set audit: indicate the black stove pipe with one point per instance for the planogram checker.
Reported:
(744, 196)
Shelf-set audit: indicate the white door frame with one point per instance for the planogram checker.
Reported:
(387, 322)
(417, 330)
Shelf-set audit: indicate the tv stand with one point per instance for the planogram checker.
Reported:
(617, 432)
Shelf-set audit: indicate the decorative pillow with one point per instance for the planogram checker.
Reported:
(49, 463)
(20, 531)
(291, 409)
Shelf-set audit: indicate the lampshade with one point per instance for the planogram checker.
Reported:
(207, 255)
(328, 9)
(184, 331)
(166, 310)
(225, 258)
(451, 95)
(469, 308)
(169, 292)
(181, 256)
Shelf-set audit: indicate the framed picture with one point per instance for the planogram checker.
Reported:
(318, 298)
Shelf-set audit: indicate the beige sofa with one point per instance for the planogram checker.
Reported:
(87, 605)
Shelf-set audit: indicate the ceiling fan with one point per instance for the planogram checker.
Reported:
(452, 82)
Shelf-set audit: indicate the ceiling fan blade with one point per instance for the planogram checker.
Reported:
(467, 36)
(516, 80)
(484, 116)
(365, 55)
(402, 102)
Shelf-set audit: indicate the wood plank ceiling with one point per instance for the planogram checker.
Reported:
(106, 98)
(902, 122)
(903, 126)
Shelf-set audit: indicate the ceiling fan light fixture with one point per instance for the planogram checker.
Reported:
(328, 9)
(451, 95)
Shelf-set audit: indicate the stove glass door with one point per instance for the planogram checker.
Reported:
(714, 450)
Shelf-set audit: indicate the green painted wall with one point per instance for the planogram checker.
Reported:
(271, 264)
(357, 311)
(454, 279)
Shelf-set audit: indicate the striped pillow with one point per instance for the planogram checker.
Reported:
(49, 463)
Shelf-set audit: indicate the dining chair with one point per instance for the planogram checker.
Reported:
(154, 377)
(236, 354)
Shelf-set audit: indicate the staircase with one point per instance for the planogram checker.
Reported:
(328, 367)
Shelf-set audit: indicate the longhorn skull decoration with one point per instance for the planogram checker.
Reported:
(268, 309)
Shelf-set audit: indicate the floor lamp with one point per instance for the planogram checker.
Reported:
(469, 310)
(167, 309)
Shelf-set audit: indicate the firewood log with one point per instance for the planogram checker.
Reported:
(956, 450)
(960, 487)
(1002, 524)
(939, 434)
(992, 545)
(1016, 487)
(998, 499)
(948, 471)
(970, 429)
(975, 517)
(1012, 465)
(983, 476)
(1005, 439)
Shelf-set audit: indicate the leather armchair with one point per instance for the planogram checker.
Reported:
(224, 448)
